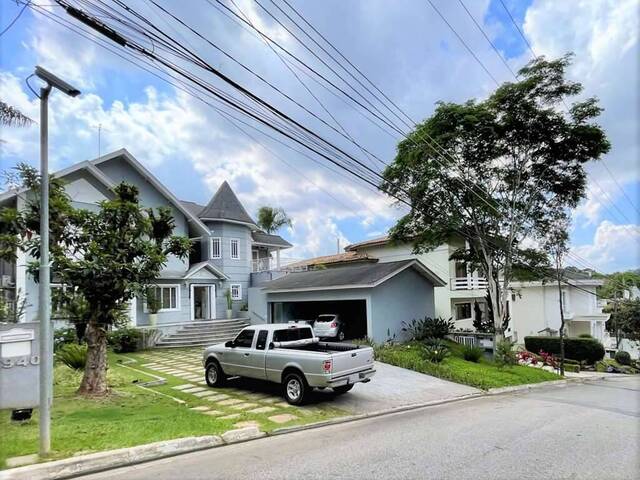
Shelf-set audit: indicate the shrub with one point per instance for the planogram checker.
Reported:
(623, 358)
(584, 335)
(64, 336)
(527, 357)
(73, 355)
(586, 350)
(435, 350)
(424, 328)
(472, 354)
(504, 354)
(568, 367)
(125, 340)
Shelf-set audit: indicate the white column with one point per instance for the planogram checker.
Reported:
(278, 259)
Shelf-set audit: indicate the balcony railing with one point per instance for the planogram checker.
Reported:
(468, 283)
(263, 265)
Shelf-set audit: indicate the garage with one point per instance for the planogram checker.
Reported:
(352, 314)
(374, 298)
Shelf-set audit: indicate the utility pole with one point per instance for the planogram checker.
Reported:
(44, 277)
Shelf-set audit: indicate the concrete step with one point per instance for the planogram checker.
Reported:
(230, 328)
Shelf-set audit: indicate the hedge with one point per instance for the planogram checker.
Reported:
(582, 349)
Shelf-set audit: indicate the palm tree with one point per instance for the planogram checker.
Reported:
(271, 219)
(10, 116)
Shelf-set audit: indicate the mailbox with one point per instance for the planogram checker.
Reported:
(19, 365)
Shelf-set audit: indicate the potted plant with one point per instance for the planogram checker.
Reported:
(153, 305)
(229, 304)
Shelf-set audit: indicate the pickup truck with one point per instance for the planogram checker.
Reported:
(291, 355)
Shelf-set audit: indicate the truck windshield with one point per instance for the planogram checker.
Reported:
(291, 334)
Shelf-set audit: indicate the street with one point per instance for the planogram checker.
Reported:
(589, 430)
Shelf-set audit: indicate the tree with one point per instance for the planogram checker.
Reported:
(271, 219)
(555, 244)
(105, 258)
(503, 167)
(11, 116)
(625, 321)
(615, 288)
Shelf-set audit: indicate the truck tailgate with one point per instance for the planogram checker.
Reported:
(352, 361)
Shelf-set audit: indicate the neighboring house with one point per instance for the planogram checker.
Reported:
(534, 307)
(228, 246)
(373, 298)
(463, 295)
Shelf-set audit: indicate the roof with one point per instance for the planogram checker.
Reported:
(338, 259)
(368, 243)
(90, 166)
(193, 207)
(570, 276)
(224, 205)
(357, 275)
(208, 265)
(269, 239)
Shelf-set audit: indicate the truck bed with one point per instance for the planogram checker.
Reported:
(324, 347)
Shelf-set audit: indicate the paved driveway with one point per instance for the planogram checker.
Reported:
(396, 387)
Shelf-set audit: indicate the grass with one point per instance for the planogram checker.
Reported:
(129, 416)
(484, 375)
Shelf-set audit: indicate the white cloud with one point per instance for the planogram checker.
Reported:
(614, 247)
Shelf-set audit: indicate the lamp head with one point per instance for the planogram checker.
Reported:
(56, 82)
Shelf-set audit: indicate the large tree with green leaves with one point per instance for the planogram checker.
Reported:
(501, 169)
(105, 257)
(271, 219)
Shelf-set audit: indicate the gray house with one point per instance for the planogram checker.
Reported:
(228, 246)
(373, 298)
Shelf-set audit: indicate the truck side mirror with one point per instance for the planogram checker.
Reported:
(271, 346)
(229, 344)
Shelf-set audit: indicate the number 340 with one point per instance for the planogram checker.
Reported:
(19, 361)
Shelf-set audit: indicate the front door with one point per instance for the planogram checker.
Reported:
(203, 306)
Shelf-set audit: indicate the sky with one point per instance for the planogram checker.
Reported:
(404, 47)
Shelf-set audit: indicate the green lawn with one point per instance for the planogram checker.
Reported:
(133, 416)
(485, 374)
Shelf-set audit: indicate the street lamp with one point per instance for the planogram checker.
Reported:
(44, 294)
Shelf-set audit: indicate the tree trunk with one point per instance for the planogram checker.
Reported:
(497, 317)
(94, 381)
(561, 325)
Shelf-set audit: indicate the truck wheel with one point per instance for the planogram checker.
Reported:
(342, 389)
(295, 388)
(214, 375)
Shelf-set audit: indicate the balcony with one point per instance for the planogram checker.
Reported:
(468, 283)
(264, 264)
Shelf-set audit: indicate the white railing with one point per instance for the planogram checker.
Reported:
(468, 283)
(263, 265)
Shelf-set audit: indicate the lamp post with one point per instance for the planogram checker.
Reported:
(44, 292)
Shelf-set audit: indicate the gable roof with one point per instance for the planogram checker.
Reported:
(224, 205)
(90, 166)
(360, 275)
(208, 265)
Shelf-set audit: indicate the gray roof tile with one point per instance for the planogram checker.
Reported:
(225, 205)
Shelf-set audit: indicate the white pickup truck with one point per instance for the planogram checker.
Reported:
(291, 355)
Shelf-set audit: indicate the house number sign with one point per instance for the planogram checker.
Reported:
(19, 365)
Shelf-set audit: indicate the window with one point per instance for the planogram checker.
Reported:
(261, 343)
(216, 250)
(244, 339)
(291, 334)
(236, 291)
(168, 298)
(235, 248)
(461, 269)
(463, 310)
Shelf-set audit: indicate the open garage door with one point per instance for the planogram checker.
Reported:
(353, 313)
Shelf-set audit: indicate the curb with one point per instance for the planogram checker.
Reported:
(107, 460)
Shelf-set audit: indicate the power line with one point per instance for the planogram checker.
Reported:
(620, 187)
(6, 29)
(515, 24)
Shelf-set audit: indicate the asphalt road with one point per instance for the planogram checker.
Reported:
(588, 431)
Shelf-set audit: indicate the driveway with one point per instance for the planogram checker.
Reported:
(393, 387)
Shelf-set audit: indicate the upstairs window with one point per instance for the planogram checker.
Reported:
(235, 248)
(216, 250)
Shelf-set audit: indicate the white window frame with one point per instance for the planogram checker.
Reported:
(162, 310)
(212, 255)
(239, 296)
(237, 241)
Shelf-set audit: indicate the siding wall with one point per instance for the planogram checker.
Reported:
(238, 270)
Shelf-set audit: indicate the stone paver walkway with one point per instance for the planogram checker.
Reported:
(248, 406)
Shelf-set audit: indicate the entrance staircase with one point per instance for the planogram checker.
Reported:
(203, 333)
